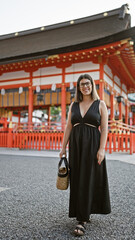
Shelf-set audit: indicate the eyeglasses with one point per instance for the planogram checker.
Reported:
(87, 84)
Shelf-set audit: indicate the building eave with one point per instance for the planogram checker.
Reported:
(129, 33)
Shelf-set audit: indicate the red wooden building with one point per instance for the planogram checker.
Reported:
(39, 68)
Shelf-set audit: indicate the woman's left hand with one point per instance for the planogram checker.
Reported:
(100, 155)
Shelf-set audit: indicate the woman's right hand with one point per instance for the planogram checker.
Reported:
(62, 152)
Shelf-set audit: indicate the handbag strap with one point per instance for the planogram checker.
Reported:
(64, 159)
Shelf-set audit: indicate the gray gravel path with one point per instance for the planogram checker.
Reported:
(32, 208)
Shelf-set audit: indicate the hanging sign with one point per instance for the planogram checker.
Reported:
(37, 89)
(20, 90)
(71, 85)
(53, 88)
(2, 91)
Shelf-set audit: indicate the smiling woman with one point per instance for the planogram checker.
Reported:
(85, 84)
(89, 192)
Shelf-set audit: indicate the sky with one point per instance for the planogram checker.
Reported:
(20, 15)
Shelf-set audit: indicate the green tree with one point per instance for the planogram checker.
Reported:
(56, 113)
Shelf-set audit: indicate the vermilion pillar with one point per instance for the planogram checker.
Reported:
(101, 82)
(126, 113)
(30, 107)
(19, 116)
(120, 111)
(133, 118)
(63, 100)
(112, 105)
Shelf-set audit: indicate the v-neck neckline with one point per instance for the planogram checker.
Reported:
(87, 109)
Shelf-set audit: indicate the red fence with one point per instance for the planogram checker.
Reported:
(117, 142)
(122, 139)
(53, 141)
(3, 138)
(40, 141)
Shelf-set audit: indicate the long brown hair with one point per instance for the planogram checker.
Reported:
(78, 94)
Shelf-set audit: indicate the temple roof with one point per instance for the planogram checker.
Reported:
(78, 34)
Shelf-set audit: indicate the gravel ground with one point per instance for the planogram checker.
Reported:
(32, 208)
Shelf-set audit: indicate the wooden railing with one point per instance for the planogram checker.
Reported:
(121, 137)
(3, 138)
(120, 142)
(38, 140)
(119, 127)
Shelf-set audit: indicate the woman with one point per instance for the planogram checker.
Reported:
(89, 193)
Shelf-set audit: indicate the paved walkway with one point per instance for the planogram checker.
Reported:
(32, 208)
(124, 157)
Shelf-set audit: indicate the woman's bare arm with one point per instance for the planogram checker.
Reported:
(104, 131)
(66, 133)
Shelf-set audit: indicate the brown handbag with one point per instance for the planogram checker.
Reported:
(63, 174)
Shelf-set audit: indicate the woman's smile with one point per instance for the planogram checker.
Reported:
(85, 87)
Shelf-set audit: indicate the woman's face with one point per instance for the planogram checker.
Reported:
(85, 87)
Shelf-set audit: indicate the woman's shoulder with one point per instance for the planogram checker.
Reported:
(102, 103)
(102, 106)
(73, 104)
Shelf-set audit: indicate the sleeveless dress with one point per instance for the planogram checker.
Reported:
(89, 192)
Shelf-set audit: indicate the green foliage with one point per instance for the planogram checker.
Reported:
(56, 113)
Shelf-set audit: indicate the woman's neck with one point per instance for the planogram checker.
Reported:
(87, 99)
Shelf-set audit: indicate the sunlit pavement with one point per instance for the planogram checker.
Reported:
(32, 208)
(124, 157)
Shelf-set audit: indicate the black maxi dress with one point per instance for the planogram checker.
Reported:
(89, 192)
